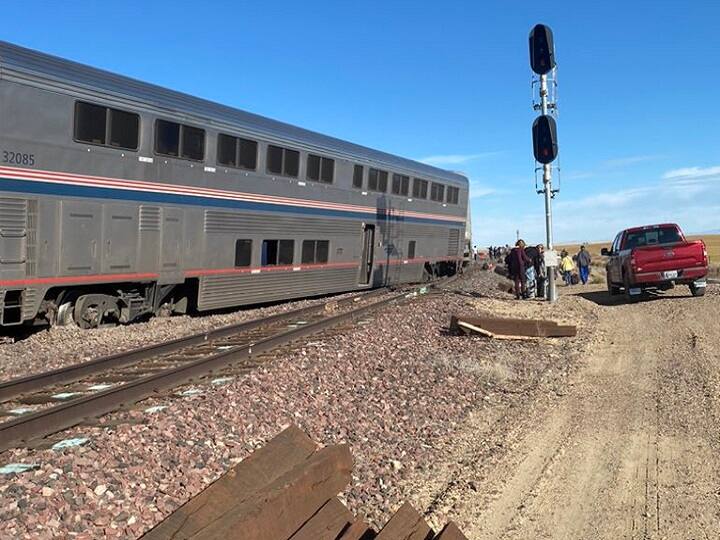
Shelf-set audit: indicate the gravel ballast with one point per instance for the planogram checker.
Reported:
(396, 388)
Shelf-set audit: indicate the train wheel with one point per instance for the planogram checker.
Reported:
(65, 310)
(92, 310)
(65, 314)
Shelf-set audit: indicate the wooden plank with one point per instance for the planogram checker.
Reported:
(327, 523)
(514, 327)
(279, 456)
(406, 524)
(467, 326)
(358, 531)
(279, 509)
(451, 532)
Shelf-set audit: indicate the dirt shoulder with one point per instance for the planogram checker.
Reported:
(628, 448)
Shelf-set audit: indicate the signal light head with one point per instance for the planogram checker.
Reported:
(542, 49)
(544, 134)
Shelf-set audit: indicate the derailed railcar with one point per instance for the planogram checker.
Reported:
(120, 199)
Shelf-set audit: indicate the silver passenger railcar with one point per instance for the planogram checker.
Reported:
(120, 199)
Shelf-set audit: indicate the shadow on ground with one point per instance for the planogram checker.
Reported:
(603, 298)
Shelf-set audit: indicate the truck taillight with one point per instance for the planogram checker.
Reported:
(633, 262)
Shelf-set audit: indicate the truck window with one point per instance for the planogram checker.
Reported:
(652, 237)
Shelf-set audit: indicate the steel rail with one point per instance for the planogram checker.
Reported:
(31, 383)
(66, 415)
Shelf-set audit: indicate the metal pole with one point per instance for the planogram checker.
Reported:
(547, 184)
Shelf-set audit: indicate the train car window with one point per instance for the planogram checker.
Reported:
(96, 124)
(286, 255)
(90, 122)
(411, 249)
(277, 252)
(322, 251)
(453, 195)
(243, 253)
(248, 154)
(313, 167)
(291, 163)
(124, 129)
(377, 180)
(308, 252)
(327, 170)
(420, 188)
(236, 152)
(193, 143)
(315, 251)
(400, 184)
(437, 192)
(227, 150)
(358, 176)
(274, 159)
(167, 138)
(283, 161)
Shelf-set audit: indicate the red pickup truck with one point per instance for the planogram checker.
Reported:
(655, 257)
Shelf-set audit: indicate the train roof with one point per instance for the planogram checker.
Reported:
(29, 63)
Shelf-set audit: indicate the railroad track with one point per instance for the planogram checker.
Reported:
(80, 392)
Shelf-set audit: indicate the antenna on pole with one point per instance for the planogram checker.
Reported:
(544, 133)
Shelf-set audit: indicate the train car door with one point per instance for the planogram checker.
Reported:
(368, 249)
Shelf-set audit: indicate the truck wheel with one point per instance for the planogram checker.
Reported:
(697, 291)
(632, 298)
(613, 290)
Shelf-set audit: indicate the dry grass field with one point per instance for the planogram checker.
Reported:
(712, 241)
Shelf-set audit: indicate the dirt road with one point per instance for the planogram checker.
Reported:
(628, 448)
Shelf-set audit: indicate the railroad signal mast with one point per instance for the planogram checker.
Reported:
(544, 133)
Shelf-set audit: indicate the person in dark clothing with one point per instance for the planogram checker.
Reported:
(517, 261)
(583, 260)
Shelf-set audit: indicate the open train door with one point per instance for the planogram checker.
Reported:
(366, 262)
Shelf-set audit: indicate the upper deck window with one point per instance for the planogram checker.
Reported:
(178, 140)
(96, 124)
(453, 195)
(420, 188)
(358, 171)
(377, 180)
(320, 169)
(283, 161)
(400, 184)
(236, 152)
(437, 192)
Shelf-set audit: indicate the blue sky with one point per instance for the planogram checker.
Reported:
(449, 83)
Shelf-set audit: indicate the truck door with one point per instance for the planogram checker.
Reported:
(614, 264)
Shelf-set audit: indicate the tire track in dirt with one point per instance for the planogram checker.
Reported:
(630, 451)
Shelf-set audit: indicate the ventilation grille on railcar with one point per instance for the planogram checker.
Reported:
(237, 223)
(453, 242)
(31, 240)
(13, 216)
(149, 218)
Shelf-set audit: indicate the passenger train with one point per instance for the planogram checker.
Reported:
(121, 199)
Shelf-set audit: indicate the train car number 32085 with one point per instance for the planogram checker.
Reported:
(17, 158)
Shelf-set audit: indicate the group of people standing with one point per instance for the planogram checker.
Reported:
(526, 267)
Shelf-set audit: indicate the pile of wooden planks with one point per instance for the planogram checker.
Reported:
(287, 490)
(494, 327)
